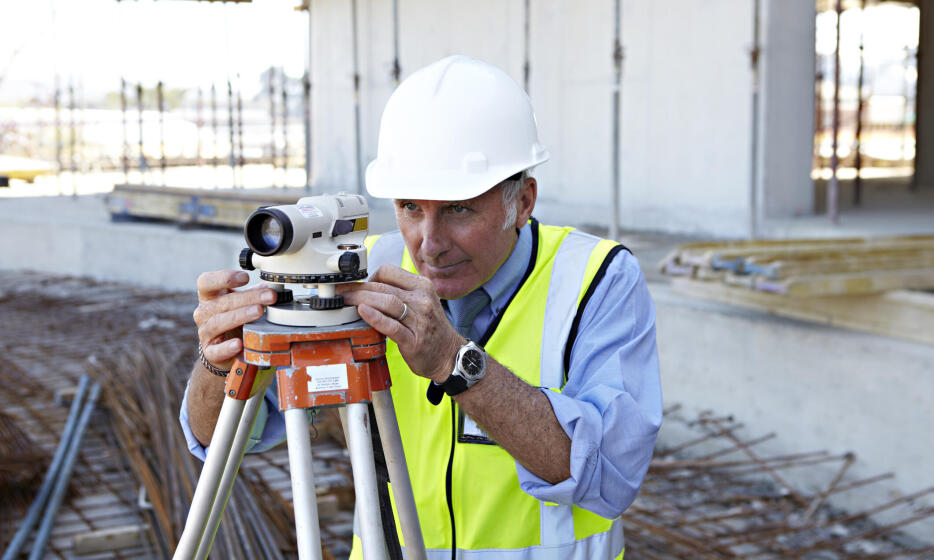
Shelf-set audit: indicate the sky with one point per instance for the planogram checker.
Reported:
(184, 43)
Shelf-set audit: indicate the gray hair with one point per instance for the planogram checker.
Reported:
(510, 190)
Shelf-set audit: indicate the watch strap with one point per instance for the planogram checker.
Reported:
(454, 385)
(435, 393)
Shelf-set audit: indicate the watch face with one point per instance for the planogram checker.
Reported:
(472, 363)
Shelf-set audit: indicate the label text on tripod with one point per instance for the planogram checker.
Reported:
(331, 377)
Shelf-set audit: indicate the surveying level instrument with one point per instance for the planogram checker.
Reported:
(322, 355)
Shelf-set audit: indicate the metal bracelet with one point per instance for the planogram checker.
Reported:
(209, 366)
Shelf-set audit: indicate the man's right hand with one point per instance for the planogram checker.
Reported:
(222, 311)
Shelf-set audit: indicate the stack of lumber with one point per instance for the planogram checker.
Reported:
(870, 284)
(228, 208)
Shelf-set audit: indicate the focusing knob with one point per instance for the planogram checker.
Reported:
(246, 257)
(326, 303)
(349, 262)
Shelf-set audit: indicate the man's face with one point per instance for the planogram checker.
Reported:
(457, 245)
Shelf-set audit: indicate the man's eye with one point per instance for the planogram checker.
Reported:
(410, 206)
(457, 209)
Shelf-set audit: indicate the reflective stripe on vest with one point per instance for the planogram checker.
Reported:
(493, 517)
(594, 546)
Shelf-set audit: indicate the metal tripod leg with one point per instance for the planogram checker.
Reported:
(304, 498)
(357, 426)
(228, 430)
(234, 458)
(398, 474)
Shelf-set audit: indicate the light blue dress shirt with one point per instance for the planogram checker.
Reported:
(611, 406)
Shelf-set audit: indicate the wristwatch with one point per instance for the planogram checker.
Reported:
(469, 368)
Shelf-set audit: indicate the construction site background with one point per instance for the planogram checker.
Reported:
(798, 382)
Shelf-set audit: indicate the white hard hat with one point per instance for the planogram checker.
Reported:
(452, 131)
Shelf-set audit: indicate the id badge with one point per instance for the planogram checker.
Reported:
(469, 432)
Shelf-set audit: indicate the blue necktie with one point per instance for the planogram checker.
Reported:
(466, 309)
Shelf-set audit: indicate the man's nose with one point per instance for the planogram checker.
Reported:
(434, 238)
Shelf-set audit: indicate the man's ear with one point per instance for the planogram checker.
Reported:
(525, 203)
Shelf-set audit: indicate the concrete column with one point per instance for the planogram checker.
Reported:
(924, 158)
(787, 108)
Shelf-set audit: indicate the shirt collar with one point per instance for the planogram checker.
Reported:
(506, 279)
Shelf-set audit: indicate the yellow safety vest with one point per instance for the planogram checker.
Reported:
(467, 494)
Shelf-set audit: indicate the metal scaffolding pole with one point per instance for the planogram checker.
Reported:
(73, 138)
(214, 161)
(754, 133)
(271, 91)
(526, 66)
(833, 187)
(58, 126)
(858, 181)
(396, 68)
(126, 134)
(231, 130)
(617, 94)
(143, 166)
(306, 103)
(160, 99)
(199, 124)
(241, 160)
(285, 128)
(356, 97)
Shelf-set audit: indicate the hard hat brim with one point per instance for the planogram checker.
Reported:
(436, 184)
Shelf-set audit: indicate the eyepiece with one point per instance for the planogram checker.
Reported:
(268, 231)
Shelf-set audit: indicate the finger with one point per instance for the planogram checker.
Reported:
(212, 284)
(221, 353)
(395, 330)
(261, 295)
(228, 321)
(388, 304)
(354, 287)
(395, 276)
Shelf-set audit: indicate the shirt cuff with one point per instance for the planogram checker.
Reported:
(585, 447)
(266, 432)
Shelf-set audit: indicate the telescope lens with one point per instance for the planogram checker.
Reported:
(268, 231)
(271, 232)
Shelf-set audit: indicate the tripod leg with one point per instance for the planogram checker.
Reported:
(304, 499)
(209, 480)
(234, 458)
(398, 474)
(364, 475)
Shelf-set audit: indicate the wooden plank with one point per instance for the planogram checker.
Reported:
(854, 283)
(900, 314)
(777, 270)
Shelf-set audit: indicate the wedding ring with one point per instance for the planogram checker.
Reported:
(405, 311)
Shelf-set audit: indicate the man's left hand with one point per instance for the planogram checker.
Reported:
(425, 337)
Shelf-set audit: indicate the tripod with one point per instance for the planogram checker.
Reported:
(342, 366)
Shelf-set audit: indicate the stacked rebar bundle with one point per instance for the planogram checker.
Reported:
(716, 496)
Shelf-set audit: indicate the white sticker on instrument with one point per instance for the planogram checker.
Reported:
(309, 211)
(327, 378)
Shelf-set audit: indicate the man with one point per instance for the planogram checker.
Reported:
(538, 453)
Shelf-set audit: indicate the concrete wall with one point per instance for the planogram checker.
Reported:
(686, 99)
(686, 116)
